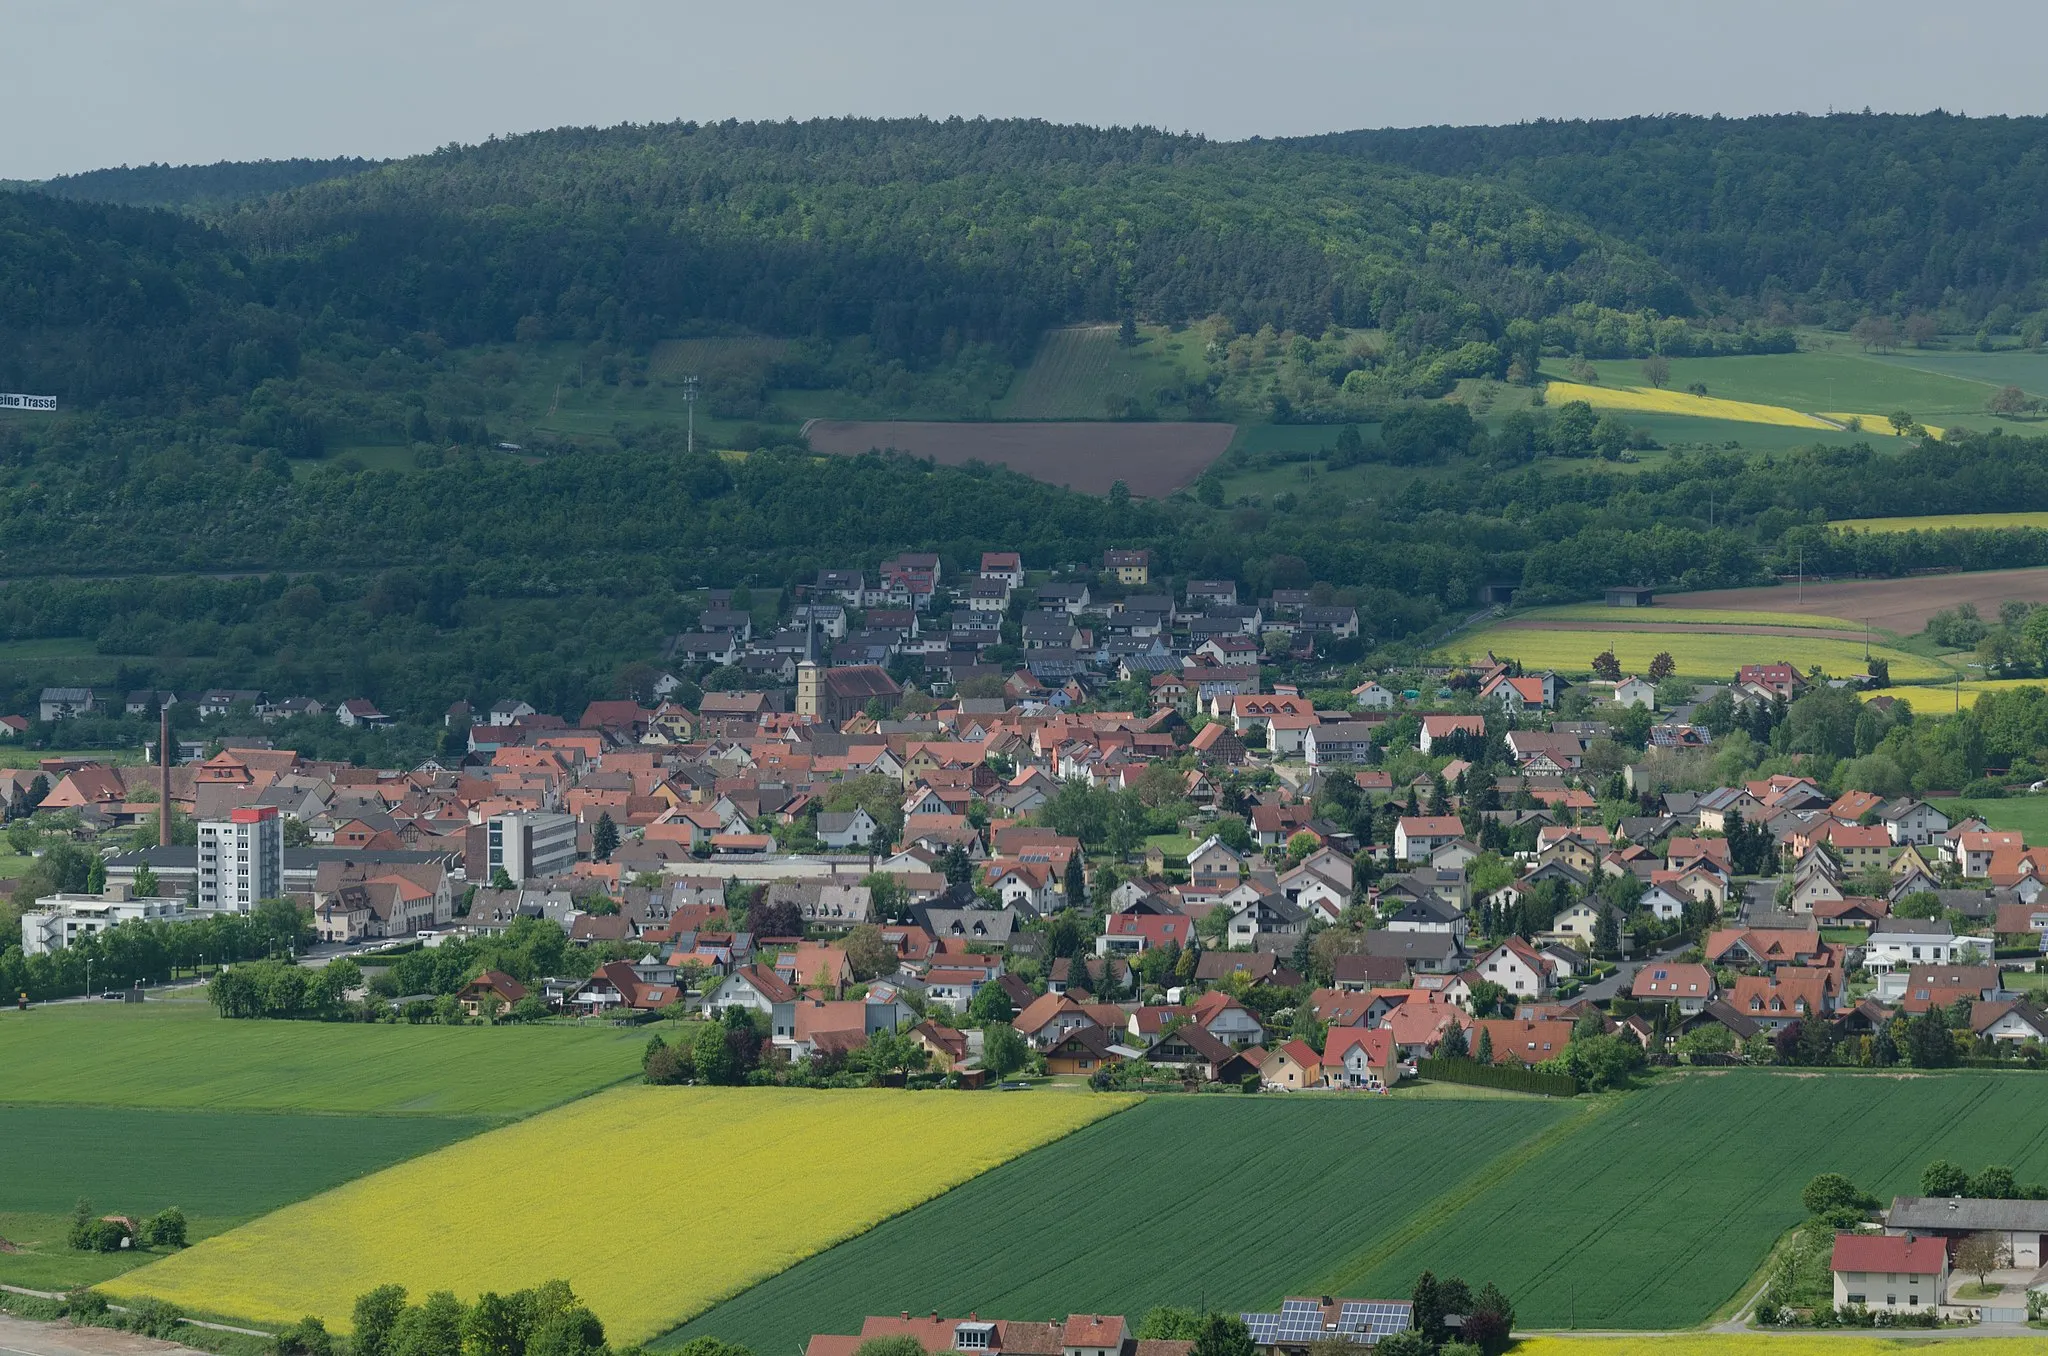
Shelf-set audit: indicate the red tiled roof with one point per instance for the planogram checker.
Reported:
(1924, 1256)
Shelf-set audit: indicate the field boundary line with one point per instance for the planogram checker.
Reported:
(1491, 1174)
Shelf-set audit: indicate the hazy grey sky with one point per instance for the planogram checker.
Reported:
(91, 83)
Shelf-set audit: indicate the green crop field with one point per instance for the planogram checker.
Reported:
(2006, 367)
(220, 1168)
(1655, 1211)
(171, 1054)
(1217, 1202)
(1689, 617)
(1698, 651)
(2022, 814)
(1842, 379)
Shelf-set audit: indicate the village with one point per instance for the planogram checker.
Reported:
(1225, 886)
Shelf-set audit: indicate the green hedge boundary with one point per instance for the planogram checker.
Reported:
(1508, 1077)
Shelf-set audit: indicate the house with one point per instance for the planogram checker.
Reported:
(1049, 1018)
(1424, 953)
(62, 703)
(1636, 692)
(1436, 729)
(1355, 1057)
(1416, 837)
(840, 830)
(1688, 988)
(1521, 1041)
(1343, 741)
(357, 713)
(756, 988)
(2012, 1021)
(1517, 695)
(1776, 1001)
(1889, 1273)
(492, 987)
(1194, 1050)
(1084, 1050)
(1516, 967)
(945, 1046)
(1290, 1067)
(1370, 696)
(1629, 597)
(13, 727)
(1898, 943)
(1780, 680)
(815, 965)
(1128, 567)
(1227, 1020)
(1913, 822)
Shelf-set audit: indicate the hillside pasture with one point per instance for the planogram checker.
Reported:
(1678, 1192)
(180, 1054)
(1152, 459)
(1901, 606)
(790, 1172)
(1225, 1203)
(1696, 651)
(220, 1168)
(1074, 375)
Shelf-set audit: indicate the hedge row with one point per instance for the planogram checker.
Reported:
(1510, 1077)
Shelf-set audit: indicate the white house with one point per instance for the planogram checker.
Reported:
(1370, 696)
(1901, 943)
(1418, 836)
(1516, 968)
(1636, 692)
(1666, 903)
(1889, 1273)
(1913, 822)
(849, 829)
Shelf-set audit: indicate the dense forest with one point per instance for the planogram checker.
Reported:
(208, 357)
(1824, 217)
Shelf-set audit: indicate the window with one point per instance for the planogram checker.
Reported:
(1891, 1299)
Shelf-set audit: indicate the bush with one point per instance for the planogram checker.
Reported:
(154, 1318)
(85, 1305)
(165, 1229)
(307, 1337)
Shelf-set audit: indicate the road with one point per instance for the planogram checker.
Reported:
(1625, 974)
(20, 1337)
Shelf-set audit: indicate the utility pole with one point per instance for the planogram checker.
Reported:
(690, 404)
(163, 762)
(1801, 601)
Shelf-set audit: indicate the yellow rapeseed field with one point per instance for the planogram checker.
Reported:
(1872, 423)
(1777, 1344)
(1935, 522)
(1697, 651)
(1678, 402)
(1935, 700)
(654, 1203)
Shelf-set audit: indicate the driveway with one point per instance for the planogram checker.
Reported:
(21, 1337)
(1624, 976)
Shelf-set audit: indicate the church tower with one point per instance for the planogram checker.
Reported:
(809, 681)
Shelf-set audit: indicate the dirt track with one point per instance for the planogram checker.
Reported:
(1901, 605)
(1151, 459)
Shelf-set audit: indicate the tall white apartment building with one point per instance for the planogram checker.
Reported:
(241, 860)
(531, 844)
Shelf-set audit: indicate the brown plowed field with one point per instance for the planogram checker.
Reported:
(1651, 628)
(1152, 459)
(1898, 605)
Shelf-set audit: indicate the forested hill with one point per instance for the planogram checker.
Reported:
(199, 188)
(920, 236)
(1832, 215)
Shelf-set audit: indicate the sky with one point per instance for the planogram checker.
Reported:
(93, 83)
